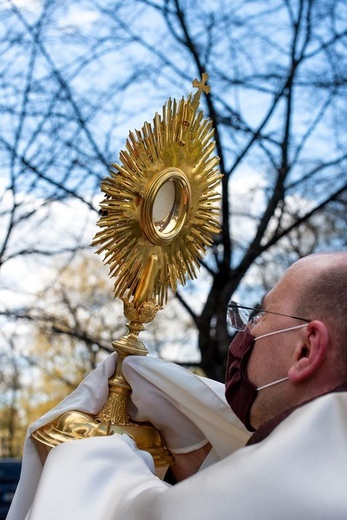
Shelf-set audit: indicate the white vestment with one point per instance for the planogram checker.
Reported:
(298, 472)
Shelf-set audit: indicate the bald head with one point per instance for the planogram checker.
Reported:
(321, 261)
(321, 293)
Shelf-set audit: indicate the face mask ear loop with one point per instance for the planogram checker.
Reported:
(279, 331)
(273, 383)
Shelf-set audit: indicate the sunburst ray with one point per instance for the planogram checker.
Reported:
(146, 257)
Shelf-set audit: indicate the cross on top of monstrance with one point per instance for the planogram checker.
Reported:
(159, 213)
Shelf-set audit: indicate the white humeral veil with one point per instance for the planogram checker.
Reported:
(200, 399)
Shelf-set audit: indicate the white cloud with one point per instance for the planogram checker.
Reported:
(77, 17)
(61, 227)
(27, 5)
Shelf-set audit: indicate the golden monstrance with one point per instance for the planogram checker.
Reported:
(159, 213)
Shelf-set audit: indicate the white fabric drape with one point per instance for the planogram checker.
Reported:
(200, 399)
(297, 473)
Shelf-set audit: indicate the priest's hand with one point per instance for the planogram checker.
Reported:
(150, 403)
(187, 464)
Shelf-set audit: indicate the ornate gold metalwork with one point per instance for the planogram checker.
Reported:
(113, 417)
(159, 214)
(147, 255)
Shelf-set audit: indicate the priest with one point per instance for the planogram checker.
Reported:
(271, 444)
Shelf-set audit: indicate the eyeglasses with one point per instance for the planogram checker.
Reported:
(240, 316)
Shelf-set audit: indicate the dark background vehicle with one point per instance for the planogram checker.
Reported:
(9, 476)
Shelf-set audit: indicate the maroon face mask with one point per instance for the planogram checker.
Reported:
(239, 391)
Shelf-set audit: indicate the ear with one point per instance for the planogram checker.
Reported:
(310, 352)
